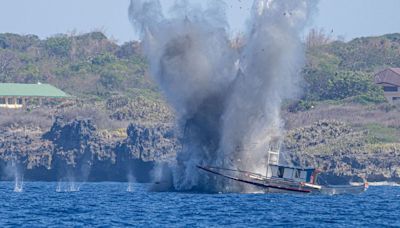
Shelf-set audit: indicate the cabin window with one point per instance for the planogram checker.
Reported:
(272, 171)
(2, 101)
(269, 172)
(390, 89)
(19, 101)
(303, 175)
(297, 174)
(281, 171)
(10, 100)
(396, 98)
(288, 173)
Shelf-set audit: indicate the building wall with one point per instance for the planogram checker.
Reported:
(11, 102)
(390, 82)
(392, 97)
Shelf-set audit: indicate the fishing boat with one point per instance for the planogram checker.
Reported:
(285, 179)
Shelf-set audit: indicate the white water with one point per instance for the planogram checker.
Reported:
(69, 186)
(18, 184)
(384, 183)
(130, 187)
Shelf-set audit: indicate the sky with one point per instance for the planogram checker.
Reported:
(346, 18)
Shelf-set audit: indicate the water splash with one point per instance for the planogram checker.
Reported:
(13, 171)
(19, 184)
(72, 178)
(130, 187)
(131, 181)
(227, 97)
(68, 186)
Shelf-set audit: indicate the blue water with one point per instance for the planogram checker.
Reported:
(109, 204)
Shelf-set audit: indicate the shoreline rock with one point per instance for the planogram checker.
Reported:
(342, 153)
(76, 150)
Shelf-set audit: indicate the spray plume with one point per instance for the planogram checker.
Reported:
(227, 98)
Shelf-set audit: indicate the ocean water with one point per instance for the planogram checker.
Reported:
(119, 204)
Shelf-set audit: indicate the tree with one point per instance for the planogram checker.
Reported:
(9, 62)
(111, 80)
(58, 46)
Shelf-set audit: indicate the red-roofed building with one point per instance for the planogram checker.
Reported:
(389, 79)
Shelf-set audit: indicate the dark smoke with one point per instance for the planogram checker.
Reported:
(227, 97)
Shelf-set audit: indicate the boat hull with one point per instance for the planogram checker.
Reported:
(281, 185)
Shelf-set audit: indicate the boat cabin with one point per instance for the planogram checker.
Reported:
(299, 174)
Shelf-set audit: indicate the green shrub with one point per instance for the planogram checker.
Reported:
(378, 133)
(58, 46)
(104, 59)
(348, 84)
(111, 80)
(301, 106)
(80, 68)
(29, 74)
(18, 42)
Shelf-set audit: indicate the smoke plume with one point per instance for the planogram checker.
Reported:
(226, 95)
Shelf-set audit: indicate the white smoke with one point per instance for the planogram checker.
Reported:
(227, 98)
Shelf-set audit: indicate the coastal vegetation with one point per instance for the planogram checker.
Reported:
(93, 66)
(88, 65)
(114, 77)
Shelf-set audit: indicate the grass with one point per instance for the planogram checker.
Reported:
(378, 133)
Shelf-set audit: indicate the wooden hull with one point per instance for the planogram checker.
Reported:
(328, 190)
(281, 185)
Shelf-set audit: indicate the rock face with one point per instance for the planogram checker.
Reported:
(22, 148)
(342, 153)
(77, 148)
(75, 151)
(151, 143)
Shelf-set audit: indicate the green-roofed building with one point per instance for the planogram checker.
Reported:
(15, 95)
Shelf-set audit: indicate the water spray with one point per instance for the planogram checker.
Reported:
(227, 101)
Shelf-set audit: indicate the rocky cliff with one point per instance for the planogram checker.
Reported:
(344, 154)
(76, 151)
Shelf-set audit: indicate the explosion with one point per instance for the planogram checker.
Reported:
(227, 98)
